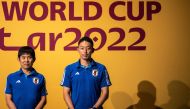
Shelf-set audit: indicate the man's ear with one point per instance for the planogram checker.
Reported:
(93, 50)
(78, 49)
(34, 59)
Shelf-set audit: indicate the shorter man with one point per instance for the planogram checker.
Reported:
(25, 89)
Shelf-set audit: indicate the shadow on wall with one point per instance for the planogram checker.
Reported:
(120, 100)
(147, 96)
(179, 94)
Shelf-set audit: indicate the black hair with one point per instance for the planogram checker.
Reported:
(87, 39)
(27, 50)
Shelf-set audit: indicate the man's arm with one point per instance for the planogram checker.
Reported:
(67, 97)
(9, 102)
(42, 103)
(103, 97)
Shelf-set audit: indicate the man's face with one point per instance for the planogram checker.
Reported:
(26, 61)
(85, 50)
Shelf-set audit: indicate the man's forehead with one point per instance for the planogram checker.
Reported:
(85, 43)
(26, 54)
(81, 46)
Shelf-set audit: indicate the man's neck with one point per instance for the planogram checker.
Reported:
(27, 71)
(85, 62)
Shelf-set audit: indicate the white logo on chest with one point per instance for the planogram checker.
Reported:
(18, 81)
(77, 73)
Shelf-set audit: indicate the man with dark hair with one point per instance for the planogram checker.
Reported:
(26, 89)
(85, 82)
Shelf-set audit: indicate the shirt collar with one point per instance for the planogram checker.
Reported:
(92, 63)
(33, 72)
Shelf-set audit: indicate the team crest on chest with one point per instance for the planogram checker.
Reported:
(95, 72)
(35, 80)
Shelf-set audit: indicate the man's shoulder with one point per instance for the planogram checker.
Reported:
(100, 65)
(72, 65)
(16, 73)
(39, 74)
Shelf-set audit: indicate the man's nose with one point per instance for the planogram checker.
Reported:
(26, 59)
(86, 51)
